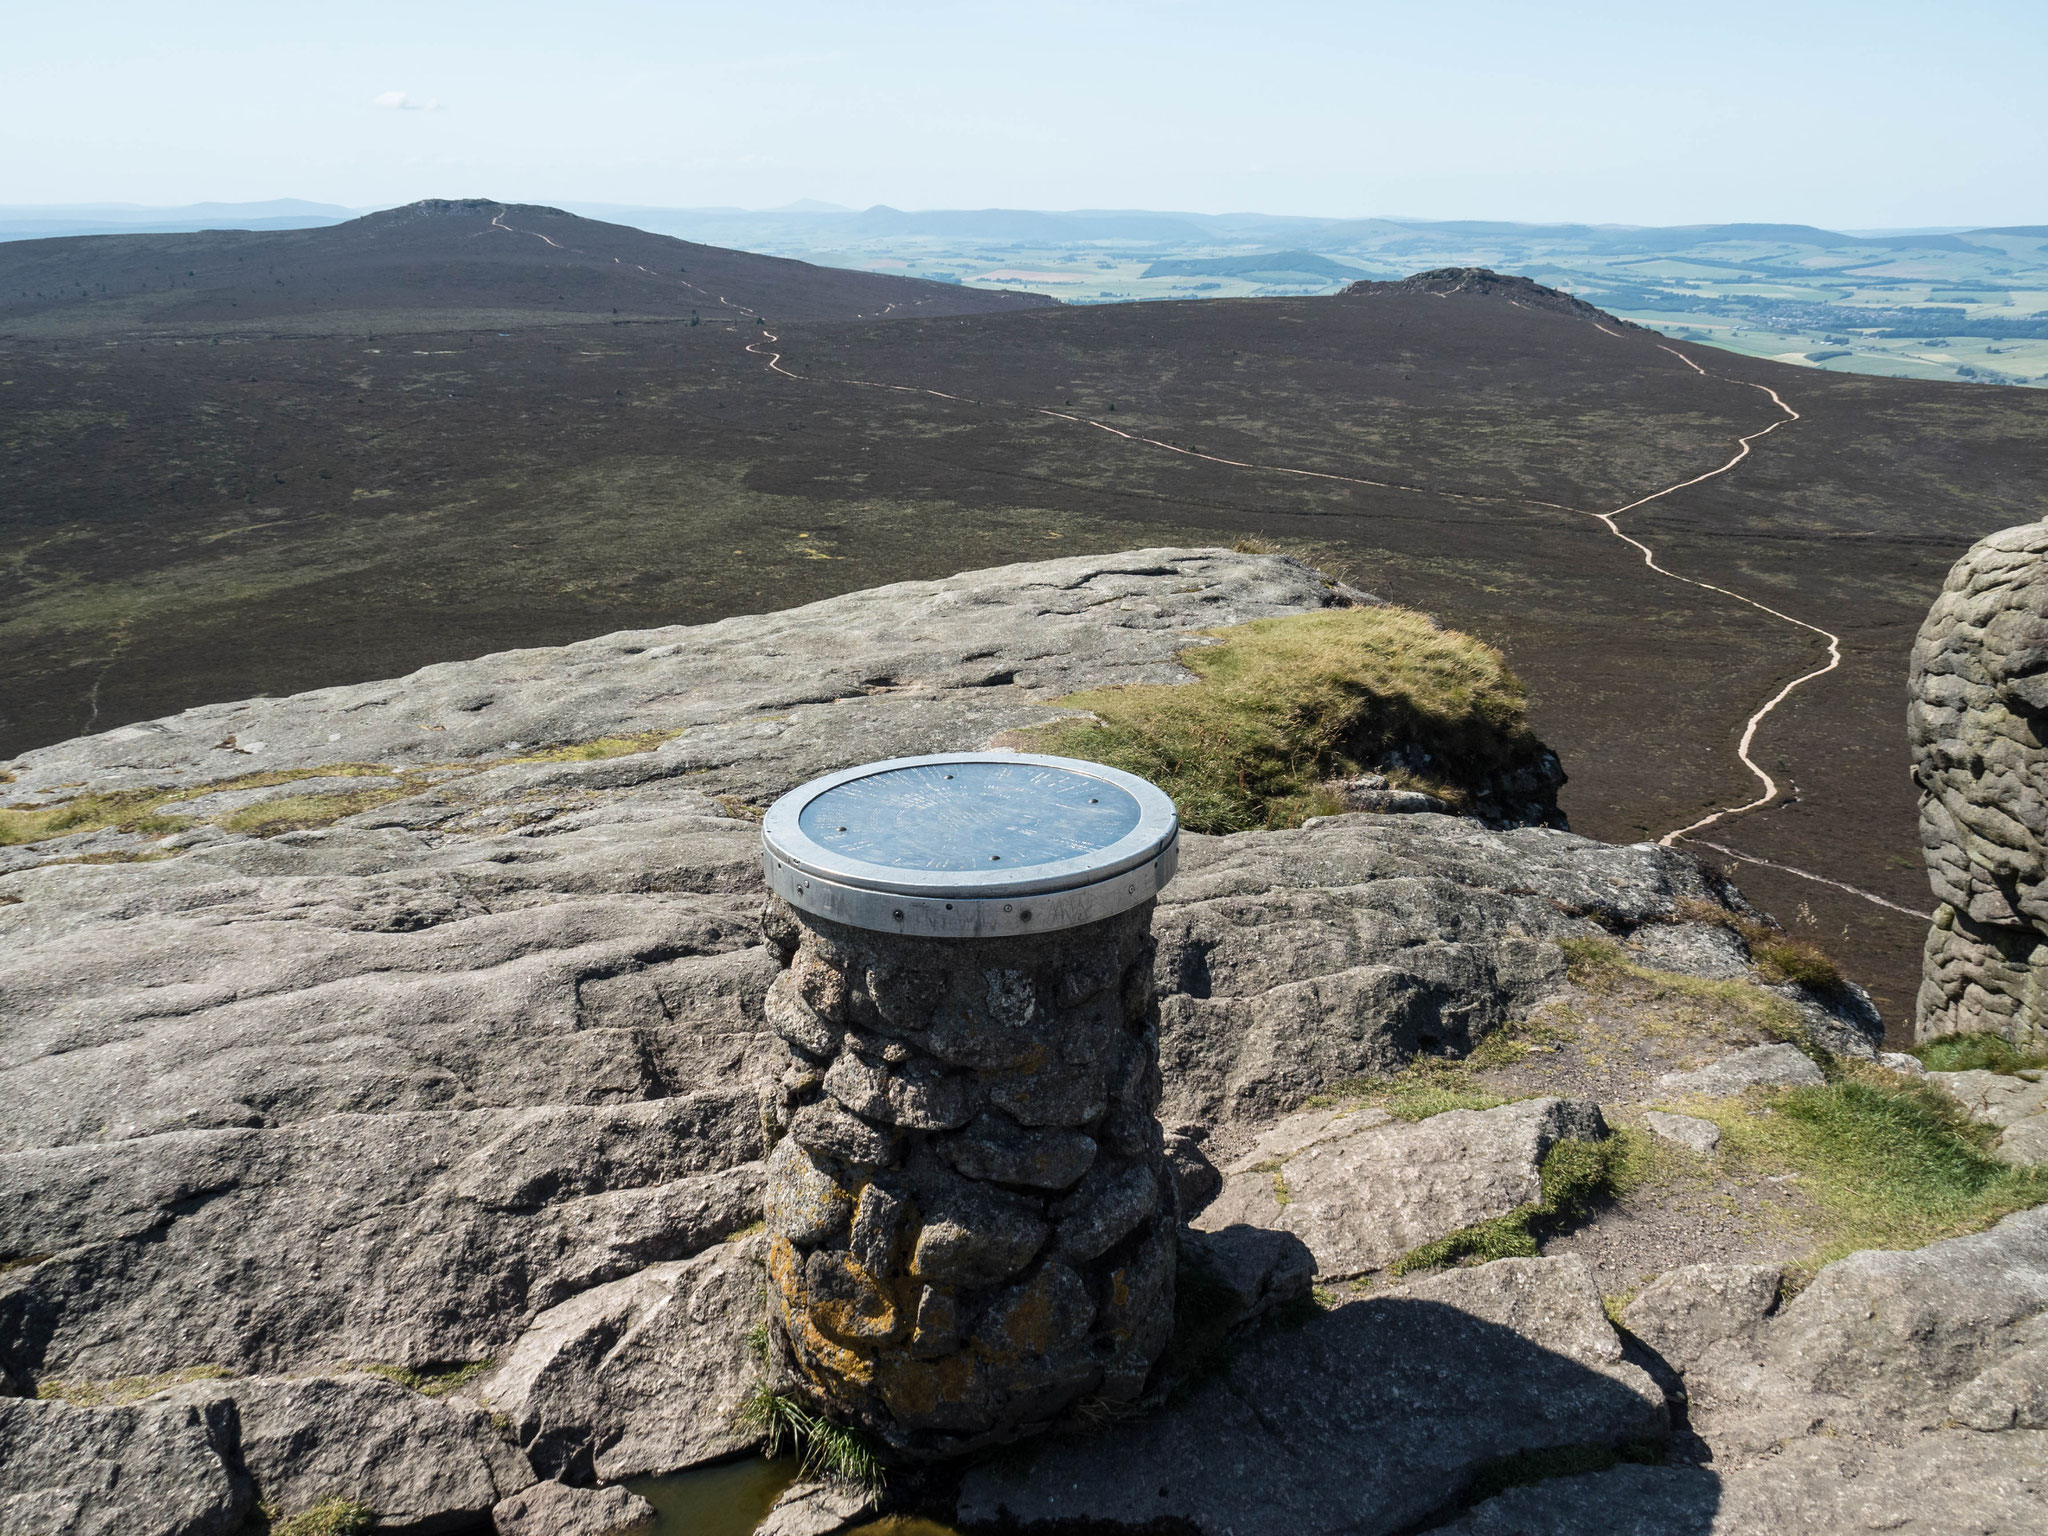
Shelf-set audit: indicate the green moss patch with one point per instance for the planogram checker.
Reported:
(1976, 1053)
(154, 812)
(1279, 707)
(81, 1393)
(330, 1517)
(432, 1380)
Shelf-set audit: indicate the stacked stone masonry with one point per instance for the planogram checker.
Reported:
(1979, 694)
(971, 1223)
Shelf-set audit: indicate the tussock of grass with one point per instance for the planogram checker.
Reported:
(1281, 706)
(432, 1381)
(84, 813)
(1889, 1163)
(1575, 1174)
(330, 1517)
(823, 1448)
(124, 1389)
(1419, 1090)
(1776, 954)
(1976, 1053)
(298, 813)
(1421, 1098)
(1514, 1041)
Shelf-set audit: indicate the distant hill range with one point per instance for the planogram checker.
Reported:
(434, 263)
(1300, 234)
(41, 222)
(1260, 266)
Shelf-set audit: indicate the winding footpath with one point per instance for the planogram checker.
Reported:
(1749, 729)
(1770, 789)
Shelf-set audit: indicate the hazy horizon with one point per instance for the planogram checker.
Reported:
(1872, 116)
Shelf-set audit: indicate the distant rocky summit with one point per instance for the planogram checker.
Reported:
(393, 1147)
(1487, 283)
(1979, 690)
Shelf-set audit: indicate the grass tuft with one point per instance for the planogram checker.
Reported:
(823, 1448)
(1889, 1163)
(299, 813)
(1282, 706)
(1575, 1174)
(1976, 1053)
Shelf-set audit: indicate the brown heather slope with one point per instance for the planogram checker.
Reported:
(417, 266)
(194, 516)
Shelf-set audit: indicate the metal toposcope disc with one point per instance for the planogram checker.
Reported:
(971, 844)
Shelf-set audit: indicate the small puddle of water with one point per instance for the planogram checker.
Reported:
(730, 1499)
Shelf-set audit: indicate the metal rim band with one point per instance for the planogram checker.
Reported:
(970, 917)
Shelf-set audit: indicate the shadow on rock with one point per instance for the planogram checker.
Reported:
(1372, 1418)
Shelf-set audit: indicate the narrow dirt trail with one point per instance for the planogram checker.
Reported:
(498, 221)
(1745, 444)
(1743, 448)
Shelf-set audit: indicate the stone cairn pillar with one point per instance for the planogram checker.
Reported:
(1978, 719)
(971, 1222)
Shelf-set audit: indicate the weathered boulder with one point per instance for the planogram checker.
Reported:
(147, 1469)
(410, 1087)
(1367, 1419)
(1292, 961)
(1941, 1484)
(1688, 1312)
(1979, 692)
(438, 1239)
(1993, 1098)
(1361, 1188)
(1246, 1271)
(421, 1464)
(1761, 1066)
(554, 1509)
(638, 1375)
(1880, 1350)
(815, 1509)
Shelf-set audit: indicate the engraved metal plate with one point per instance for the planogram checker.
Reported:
(971, 844)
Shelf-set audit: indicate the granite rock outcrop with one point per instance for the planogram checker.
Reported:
(1979, 700)
(469, 1083)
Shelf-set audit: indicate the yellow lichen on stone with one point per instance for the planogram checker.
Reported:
(950, 1392)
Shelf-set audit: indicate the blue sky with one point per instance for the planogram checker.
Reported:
(1860, 115)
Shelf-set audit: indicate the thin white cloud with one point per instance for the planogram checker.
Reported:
(400, 101)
